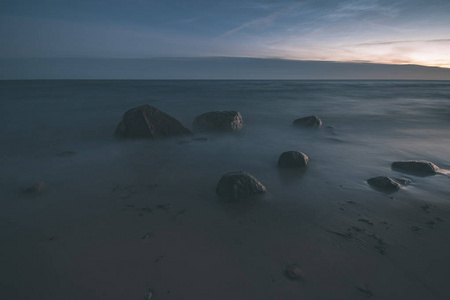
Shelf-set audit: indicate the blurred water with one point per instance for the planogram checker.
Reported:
(374, 123)
(82, 237)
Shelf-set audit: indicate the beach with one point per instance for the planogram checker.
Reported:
(126, 219)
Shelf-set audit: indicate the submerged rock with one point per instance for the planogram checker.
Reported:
(311, 121)
(293, 159)
(416, 167)
(219, 121)
(149, 122)
(293, 272)
(36, 188)
(384, 183)
(235, 186)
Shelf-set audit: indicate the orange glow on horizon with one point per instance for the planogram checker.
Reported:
(433, 53)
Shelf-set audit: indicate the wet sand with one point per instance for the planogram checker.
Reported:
(117, 236)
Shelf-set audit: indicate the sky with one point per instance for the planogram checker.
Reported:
(374, 31)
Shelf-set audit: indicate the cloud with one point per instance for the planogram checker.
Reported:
(356, 8)
(402, 42)
(262, 22)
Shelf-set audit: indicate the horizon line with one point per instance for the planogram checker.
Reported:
(225, 57)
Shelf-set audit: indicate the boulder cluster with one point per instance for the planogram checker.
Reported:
(149, 122)
(412, 167)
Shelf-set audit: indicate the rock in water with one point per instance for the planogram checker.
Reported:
(384, 183)
(219, 121)
(149, 122)
(416, 167)
(292, 272)
(36, 188)
(293, 159)
(311, 121)
(235, 186)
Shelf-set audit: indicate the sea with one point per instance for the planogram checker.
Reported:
(61, 133)
(48, 127)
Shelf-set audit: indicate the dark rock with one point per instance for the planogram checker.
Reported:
(384, 183)
(311, 121)
(293, 272)
(235, 186)
(415, 167)
(293, 159)
(36, 188)
(149, 122)
(218, 121)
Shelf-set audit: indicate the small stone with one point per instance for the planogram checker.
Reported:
(384, 183)
(36, 188)
(311, 121)
(235, 186)
(293, 271)
(293, 159)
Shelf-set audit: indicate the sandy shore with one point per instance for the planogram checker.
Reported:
(89, 235)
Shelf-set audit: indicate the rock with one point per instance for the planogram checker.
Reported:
(311, 121)
(218, 121)
(293, 159)
(292, 272)
(149, 122)
(235, 186)
(384, 183)
(36, 188)
(416, 167)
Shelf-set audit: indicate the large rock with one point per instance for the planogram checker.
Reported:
(293, 159)
(311, 121)
(149, 122)
(384, 183)
(416, 167)
(219, 121)
(236, 186)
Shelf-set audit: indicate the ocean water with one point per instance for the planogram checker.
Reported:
(373, 123)
(61, 133)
